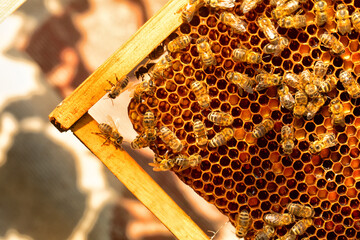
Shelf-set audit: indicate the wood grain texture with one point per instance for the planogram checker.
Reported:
(127, 57)
(7, 7)
(138, 182)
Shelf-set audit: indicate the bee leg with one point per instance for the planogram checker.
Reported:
(112, 83)
(119, 147)
(99, 134)
(231, 32)
(117, 79)
(107, 141)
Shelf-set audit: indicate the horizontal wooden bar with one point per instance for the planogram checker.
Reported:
(125, 168)
(126, 58)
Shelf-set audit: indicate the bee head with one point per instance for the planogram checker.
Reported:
(112, 95)
(119, 140)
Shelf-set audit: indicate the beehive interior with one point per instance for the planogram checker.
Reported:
(250, 173)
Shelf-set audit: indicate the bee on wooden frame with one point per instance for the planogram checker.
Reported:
(118, 87)
(110, 133)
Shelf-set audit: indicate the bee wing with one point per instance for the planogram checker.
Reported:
(131, 86)
(261, 71)
(111, 122)
(157, 167)
(226, 3)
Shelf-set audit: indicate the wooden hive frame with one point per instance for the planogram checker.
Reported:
(72, 114)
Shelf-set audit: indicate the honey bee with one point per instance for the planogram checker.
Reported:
(162, 164)
(286, 9)
(292, 80)
(143, 69)
(110, 133)
(220, 118)
(330, 41)
(349, 83)
(161, 66)
(288, 236)
(195, 160)
(236, 23)
(287, 139)
(268, 29)
(242, 81)
(301, 100)
(286, 99)
(295, 21)
(200, 133)
(355, 19)
(305, 78)
(201, 93)
(337, 112)
(276, 49)
(314, 106)
(221, 138)
(312, 90)
(147, 87)
(322, 142)
(206, 56)
(266, 233)
(261, 129)
(179, 43)
(299, 110)
(141, 141)
(320, 69)
(328, 85)
(248, 5)
(300, 210)
(300, 227)
(149, 119)
(243, 223)
(321, 15)
(170, 139)
(246, 55)
(185, 162)
(277, 3)
(118, 87)
(278, 219)
(222, 4)
(189, 10)
(266, 80)
(157, 52)
(343, 19)
(149, 125)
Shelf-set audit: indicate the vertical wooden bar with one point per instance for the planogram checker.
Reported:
(138, 182)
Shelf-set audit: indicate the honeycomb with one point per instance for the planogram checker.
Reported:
(254, 174)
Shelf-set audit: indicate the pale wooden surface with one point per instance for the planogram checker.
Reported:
(150, 35)
(138, 182)
(7, 7)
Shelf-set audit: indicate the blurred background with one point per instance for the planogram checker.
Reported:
(51, 186)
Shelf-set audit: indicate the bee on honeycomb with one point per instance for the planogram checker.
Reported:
(238, 171)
